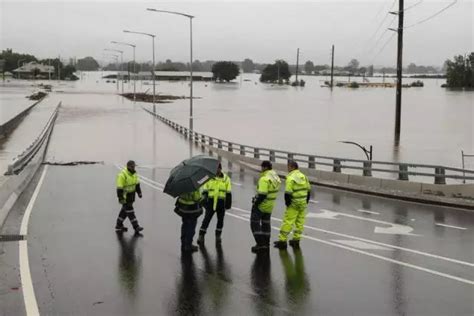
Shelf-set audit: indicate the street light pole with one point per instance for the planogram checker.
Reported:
(115, 58)
(190, 17)
(134, 80)
(368, 153)
(121, 61)
(153, 52)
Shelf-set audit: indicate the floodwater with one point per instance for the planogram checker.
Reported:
(436, 123)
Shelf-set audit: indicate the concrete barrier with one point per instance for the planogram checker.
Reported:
(12, 186)
(11, 124)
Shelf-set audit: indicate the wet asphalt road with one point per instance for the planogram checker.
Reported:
(362, 255)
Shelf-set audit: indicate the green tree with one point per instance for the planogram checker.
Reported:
(460, 72)
(275, 72)
(248, 65)
(353, 66)
(309, 67)
(14, 60)
(225, 71)
(87, 64)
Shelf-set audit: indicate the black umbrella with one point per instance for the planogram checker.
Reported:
(190, 175)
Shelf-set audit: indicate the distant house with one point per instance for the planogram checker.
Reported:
(34, 70)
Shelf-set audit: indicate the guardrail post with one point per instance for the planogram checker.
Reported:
(211, 141)
(242, 150)
(311, 162)
(290, 156)
(337, 166)
(272, 156)
(219, 144)
(256, 153)
(196, 137)
(367, 169)
(440, 175)
(403, 172)
(229, 147)
(203, 139)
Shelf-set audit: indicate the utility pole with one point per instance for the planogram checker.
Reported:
(332, 67)
(297, 63)
(398, 111)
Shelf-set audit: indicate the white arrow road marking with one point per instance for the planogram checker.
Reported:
(395, 229)
(450, 226)
(361, 245)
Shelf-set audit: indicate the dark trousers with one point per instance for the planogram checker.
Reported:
(260, 226)
(127, 211)
(188, 229)
(207, 219)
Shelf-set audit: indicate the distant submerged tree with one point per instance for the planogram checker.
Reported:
(275, 72)
(309, 67)
(353, 66)
(87, 64)
(225, 71)
(460, 72)
(248, 65)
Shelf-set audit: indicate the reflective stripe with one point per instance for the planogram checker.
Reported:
(121, 219)
(218, 229)
(134, 220)
(266, 222)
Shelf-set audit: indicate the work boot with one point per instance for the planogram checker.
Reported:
(255, 249)
(218, 240)
(190, 249)
(200, 240)
(280, 244)
(138, 229)
(295, 243)
(121, 229)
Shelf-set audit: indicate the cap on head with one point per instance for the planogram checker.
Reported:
(130, 164)
(266, 164)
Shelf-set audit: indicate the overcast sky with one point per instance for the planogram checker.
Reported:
(234, 30)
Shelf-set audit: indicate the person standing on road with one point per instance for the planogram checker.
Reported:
(128, 185)
(297, 192)
(217, 198)
(188, 206)
(263, 203)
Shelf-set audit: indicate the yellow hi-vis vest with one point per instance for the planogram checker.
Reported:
(217, 188)
(297, 185)
(127, 182)
(190, 200)
(269, 185)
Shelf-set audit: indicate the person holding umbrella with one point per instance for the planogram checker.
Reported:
(218, 198)
(184, 182)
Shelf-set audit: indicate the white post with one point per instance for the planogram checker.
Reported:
(153, 74)
(191, 71)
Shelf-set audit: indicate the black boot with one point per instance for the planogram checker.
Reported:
(280, 244)
(200, 240)
(190, 249)
(121, 229)
(138, 229)
(218, 239)
(295, 243)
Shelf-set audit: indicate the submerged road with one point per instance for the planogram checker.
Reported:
(361, 255)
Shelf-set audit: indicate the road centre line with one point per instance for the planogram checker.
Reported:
(368, 212)
(29, 297)
(469, 264)
(375, 242)
(408, 265)
(450, 226)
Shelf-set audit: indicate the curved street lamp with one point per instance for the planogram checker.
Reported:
(134, 77)
(190, 17)
(121, 61)
(368, 153)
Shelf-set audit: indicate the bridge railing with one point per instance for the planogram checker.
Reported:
(393, 170)
(24, 158)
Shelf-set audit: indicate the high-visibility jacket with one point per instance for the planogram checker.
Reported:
(190, 202)
(127, 184)
(217, 190)
(297, 187)
(268, 185)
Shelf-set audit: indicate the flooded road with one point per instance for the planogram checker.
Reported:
(361, 255)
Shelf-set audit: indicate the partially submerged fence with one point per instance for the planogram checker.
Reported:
(393, 170)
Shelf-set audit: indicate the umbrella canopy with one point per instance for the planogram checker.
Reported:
(190, 175)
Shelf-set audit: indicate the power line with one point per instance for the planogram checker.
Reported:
(382, 35)
(383, 47)
(432, 16)
(412, 6)
(382, 22)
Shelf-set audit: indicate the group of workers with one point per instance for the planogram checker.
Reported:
(215, 196)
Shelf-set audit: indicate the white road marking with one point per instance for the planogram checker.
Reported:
(368, 212)
(237, 184)
(313, 201)
(405, 264)
(450, 226)
(366, 240)
(375, 242)
(29, 297)
(395, 229)
(361, 244)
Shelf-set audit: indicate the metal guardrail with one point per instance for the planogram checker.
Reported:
(24, 158)
(402, 171)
